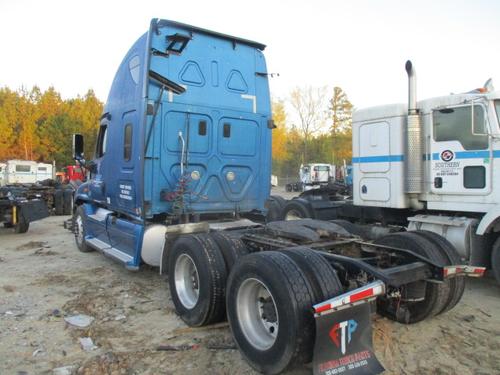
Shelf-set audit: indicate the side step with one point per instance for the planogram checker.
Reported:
(110, 251)
(100, 215)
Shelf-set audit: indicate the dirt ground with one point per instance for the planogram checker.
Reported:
(43, 278)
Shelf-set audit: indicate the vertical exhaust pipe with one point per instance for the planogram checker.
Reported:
(412, 88)
(414, 144)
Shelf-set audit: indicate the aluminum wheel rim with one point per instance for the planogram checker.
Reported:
(293, 215)
(259, 331)
(187, 281)
(79, 229)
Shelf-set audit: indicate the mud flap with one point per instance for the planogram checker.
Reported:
(33, 210)
(344, 343)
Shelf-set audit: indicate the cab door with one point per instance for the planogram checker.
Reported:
(98, 169)
(461, 153)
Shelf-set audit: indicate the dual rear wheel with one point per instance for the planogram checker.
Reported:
(267, 295)
(269, 306)
(423, 299)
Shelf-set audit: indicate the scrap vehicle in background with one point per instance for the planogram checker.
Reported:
(25, 172)
(25, 185)
(71, 174)
(18, 210)
(183, 155)
(313, 176)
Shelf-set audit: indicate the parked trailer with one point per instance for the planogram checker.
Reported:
(183, 155)
(426, 165)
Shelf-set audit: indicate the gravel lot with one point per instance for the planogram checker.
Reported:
(44, 279)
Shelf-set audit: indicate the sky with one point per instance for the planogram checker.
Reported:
(361, 46)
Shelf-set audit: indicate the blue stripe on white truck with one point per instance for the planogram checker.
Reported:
(378, 159)
(435, 156)
(470, 154)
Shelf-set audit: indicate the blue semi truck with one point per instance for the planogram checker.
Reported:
(183, 159)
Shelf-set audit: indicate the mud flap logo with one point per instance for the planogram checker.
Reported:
(338, 333)
(344, 343)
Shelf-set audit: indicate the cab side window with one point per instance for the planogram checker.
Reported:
(101, 141)
(127, 142)
(455, 124)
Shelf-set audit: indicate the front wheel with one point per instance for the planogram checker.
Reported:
(269, 302)
(80, 231)
(495, 259)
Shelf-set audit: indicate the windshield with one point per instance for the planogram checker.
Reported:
(497, 109)
(322, 168)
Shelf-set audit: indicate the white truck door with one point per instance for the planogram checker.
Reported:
(461, 154)
(305, 175)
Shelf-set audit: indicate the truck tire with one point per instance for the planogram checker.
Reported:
(436, 294)
(296, 209)
(231, 248)
(457, 284)
(348, 226)
(289, 187)
(197, 278)
(495, 259)
(274, 210)
(67, 202)
(80, 231)
(22, 225)
(59, 202)
(281, 201)
(269, 302)
(321, 275)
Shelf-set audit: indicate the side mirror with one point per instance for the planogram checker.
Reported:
(77, 146)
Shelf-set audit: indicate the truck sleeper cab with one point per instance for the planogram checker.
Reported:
(184, 148)
(186, 131)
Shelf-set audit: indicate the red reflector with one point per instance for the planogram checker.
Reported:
(322, 308)
(361, 295)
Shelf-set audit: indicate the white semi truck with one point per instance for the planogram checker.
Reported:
(312, 176)
(429, 165)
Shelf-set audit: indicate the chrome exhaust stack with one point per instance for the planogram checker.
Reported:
(414, 142)
(412, 88)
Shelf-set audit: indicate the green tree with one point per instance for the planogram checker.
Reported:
(86, 111)
(310, 107)
(8, 101)
(279, 150)
(38, 125)
(341, 124)
(55, 139)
